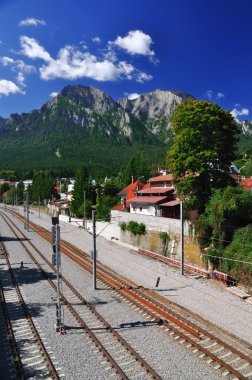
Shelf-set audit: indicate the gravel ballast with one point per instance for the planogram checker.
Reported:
(170, 359)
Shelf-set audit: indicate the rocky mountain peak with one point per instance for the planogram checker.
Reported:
(154, 105)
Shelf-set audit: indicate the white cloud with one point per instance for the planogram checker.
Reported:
(220, 95)
(209, 94)
(31, 21)
(133, 96)
(18, 66)
(143, 77)
(53, 94)
(8, 87)
(96, 39)
(136, 42)
(237, 111)
(31, 48)
(72, 63)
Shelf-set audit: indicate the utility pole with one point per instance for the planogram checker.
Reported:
(84, 213)
(56, 259)
(94, 251)
(182, 238)
(24, 201)
(27, 210)
(39, 205)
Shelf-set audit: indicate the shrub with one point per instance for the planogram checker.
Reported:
(136, 228)
(123, 226)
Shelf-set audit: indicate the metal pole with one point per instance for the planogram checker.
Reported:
(84, 213)
(24, 210)
(27, 210)
(94, 252)
(39, 205)
(182, 237)
(59, 324)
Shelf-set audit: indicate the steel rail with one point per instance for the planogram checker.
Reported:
(49, 363)
(113, 363)
(192, 342)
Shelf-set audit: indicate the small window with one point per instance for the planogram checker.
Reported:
(140, 209)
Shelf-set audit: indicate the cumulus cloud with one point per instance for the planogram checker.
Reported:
(18, 66)
(136, 42)
(72, 63)
(31, 21)
(8, 87)
(238, 111)
(32, 49)
(96, 39)
(133, 96)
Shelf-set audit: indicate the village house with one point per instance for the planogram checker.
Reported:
(156, 198)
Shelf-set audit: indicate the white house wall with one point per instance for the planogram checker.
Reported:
(145, 210)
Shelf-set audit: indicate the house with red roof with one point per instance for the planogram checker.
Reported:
(128, 193)
(156, 198)
(246, 183)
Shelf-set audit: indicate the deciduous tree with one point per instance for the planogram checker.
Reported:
(204, 144)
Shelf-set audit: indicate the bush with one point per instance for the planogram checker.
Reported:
(164, 236)
(136, 228)
(123, 226)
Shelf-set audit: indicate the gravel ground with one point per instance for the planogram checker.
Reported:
(205, 297)
(168, 358)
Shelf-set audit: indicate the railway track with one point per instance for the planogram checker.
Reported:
(115, 351)
(224, 350)
(31, 358)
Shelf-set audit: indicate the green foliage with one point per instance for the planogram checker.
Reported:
(203, 148)
(123, 226)
(137, 167)
(42, 186)
(104, 205)
(239, 253)
(136, 228)
(164, 236)
(78, 192)
(227, 210)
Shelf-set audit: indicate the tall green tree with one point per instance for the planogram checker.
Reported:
(81, 183)
(203, 147)
(137, 167)
(42, 186)
(227, 210)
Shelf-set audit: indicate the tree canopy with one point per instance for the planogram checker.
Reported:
(203, 147)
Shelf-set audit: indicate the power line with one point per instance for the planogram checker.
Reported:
(226, 258)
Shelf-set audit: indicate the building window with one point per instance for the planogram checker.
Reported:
(140, 208)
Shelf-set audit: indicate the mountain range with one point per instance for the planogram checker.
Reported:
(85, 125)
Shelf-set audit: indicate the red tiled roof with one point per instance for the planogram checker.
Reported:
(132, 186)
(246, 183)
(146, 186)
(118, 207)
(150, 200)
(175, 202)
(156, 190)
(160, 178)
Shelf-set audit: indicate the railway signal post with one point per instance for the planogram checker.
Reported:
(94, 251)
(56, 258)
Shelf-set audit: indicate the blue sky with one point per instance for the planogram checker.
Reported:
(124, 48)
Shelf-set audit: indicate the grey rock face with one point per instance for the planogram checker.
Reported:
(153, 105)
